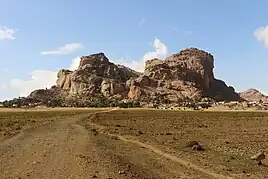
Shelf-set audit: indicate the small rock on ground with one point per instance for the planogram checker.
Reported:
(192, 143)
(259, 156)
(264, 162)
(122, 172)
(198, 148)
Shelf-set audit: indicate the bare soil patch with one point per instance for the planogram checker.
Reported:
(229, 139)
(133, 144)
(13, 121)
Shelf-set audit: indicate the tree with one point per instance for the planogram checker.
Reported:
(55, 103)
(136, 104)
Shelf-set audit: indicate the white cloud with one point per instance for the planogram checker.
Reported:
(40, 79)
(261, 35)
(6, 33)
(161, 51)
(75, 63)
(133, 64)
(142, 21)
(66, 49)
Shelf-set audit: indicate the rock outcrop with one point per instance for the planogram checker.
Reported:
(190, 75)
(187, 75)
(253, 95)
(96, 75)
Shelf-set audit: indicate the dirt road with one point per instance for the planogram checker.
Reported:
(66, 149)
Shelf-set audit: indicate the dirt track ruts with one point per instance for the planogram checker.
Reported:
(65, 149)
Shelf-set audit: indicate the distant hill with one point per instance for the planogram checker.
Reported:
(253, 95)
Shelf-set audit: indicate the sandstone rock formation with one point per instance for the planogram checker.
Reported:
(187, 75)
(253, 95)
(96, 75)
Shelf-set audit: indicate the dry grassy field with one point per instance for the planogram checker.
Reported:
(229, 139)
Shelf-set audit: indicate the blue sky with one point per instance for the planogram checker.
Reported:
(233, 31)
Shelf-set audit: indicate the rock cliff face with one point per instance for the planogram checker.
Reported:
(185, 75)
(253, 95)
(95, 76)
(189, 74)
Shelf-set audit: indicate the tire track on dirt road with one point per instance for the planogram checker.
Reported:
(66, 149)
(48, 151)
(173, 158)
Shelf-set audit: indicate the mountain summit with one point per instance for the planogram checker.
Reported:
(187, 75)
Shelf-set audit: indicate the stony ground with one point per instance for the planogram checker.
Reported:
(13, 121)
(124, 144)
(229, 139)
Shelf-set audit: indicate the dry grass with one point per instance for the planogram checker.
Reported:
(229, 138)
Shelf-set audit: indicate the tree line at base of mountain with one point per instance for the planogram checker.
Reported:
(58, 102)
(99, 102)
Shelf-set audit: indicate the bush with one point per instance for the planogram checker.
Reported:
(55, 103)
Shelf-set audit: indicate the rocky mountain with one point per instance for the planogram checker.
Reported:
(253, 95)
(187, 75)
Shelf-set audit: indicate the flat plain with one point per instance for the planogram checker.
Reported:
(136, 143)
(229, 139)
